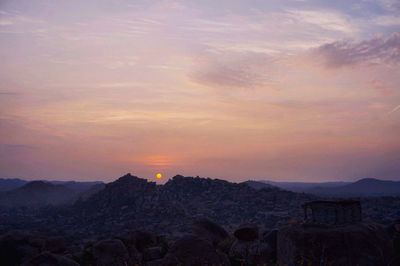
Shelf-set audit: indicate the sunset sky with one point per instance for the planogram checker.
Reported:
(282, 90)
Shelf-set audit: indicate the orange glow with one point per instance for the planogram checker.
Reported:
(159, 176)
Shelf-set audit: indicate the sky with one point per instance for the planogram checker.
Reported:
(297, 90)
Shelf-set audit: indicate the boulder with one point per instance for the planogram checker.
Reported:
(191, 250)
(360, 244)
(247, 232)
(208, 230)
(153, 253)
(140, 239)
(55, 245)
(49, 259)
(110, 252)
(271, 238)
(18, 246)
(250, 253)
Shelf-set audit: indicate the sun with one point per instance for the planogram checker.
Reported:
(158, 175)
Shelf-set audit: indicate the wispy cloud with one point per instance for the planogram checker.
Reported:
(394, 109)
(376, 50)
(234, 70)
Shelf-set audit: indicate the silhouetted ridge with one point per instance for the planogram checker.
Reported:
(37, 193)
(38, 185)
(131, 202)
(363, 187)
(7, 184)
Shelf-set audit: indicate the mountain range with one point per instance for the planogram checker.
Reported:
(18, 192)
(366, 187)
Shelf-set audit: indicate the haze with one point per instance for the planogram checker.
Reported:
(284, 90)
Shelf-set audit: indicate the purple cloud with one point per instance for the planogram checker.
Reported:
(234, 70)
(376, 50)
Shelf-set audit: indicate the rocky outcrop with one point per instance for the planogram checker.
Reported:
(111, 252)
(47, 258)
(248, 248)
(23, 248)
(193, 251)
(210, 231)
(394, 233)
(363, 244)
(18, 246)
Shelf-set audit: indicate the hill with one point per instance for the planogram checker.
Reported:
(37, 193)
(7, 184)
(302, 186)
(367, 187)
(260, 185)
(132, 202)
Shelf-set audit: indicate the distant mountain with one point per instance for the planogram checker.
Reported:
(11, 183)
(302, 186)
(37, 193)
(78, 186)
(260, 185)
(367, 187)
(84, 195)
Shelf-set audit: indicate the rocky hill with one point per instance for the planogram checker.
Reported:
(131, 202)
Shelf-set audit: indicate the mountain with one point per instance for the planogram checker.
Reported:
(367, 187)
(78, 186)
(11, 183)
(302, 186)
(37, 193)
(132, 202)
(259, 185)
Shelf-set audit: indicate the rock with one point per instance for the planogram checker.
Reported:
(49, 259)
(191, 250)
(271, 239)
(362, 244)
(394, 232)
(110, 252)
(138, 241)
(55, 245)
(167, 261)
(246, 232)
(18, 246)
(210, 231)
(250, 252)
(153, 253)
(141, 239)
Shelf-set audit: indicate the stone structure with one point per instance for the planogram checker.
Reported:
(332, 212)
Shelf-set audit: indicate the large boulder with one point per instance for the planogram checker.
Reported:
(153, 253)
(250, 253)
(247, 232)
(18, 246)
(358, 244)
(394, 232)
(193, 251)
(49, 259)
(110, 252)
(248, 248)
(271, 238)
(55, 245)
(210, 231)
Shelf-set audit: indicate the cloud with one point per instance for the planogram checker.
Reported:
(234, 70)
(325, 19)
(376, 50)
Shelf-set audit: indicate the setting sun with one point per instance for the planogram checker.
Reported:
(158, 175)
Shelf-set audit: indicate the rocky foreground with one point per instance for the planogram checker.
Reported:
(194, 221)
(210, 244)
